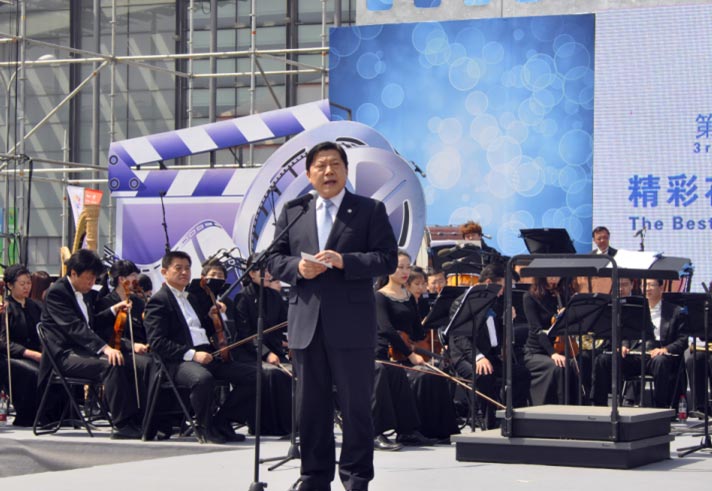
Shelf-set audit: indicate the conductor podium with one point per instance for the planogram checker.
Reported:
(584, 436)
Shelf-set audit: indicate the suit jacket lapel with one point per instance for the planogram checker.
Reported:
(179, 314)
(75, 302)
(346, 212)
(312, 232)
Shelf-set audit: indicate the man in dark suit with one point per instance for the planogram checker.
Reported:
(332, 320)
(180, 332)
(69, 320)
(601, 236)
(487, 350)
(665, 339)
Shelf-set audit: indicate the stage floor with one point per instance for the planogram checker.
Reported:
(182, 464)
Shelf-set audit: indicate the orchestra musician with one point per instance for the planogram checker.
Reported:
(180, 332)
(545, 298)
(25, 349)
(417, 286)
(472, 233)
(276, 383)
(664, 349)
(436, 282)
(397, 403)
(332, 323)
(397, 315)
(113, 325)
(69, 321)
(695, 366)
(488, 350)
(601, 236)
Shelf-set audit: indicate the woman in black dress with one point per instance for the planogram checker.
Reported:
(25, 349)
(546, 297)
(397, 313)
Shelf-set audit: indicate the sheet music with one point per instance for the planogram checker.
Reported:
(635, 259)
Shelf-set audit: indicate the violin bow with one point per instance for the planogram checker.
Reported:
(7, 345)
(133, 353)
(439, 373)
(249, 338)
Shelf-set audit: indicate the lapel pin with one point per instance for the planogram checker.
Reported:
(348, 211)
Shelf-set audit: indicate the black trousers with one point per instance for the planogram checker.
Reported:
(393, 403)
(240, 402)
(117, 382)
(662, 368)
(319, 369)
(696, 376)
(548, 381)
(491, 385)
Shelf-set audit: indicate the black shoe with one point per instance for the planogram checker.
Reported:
(299, 485)
(208, 435)
(224, 428)
(381, 442)
(415, 439)
(127, 431)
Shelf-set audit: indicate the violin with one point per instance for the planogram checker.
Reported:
(421, 347)
(130, 288)
(560, 342)
(218, 324)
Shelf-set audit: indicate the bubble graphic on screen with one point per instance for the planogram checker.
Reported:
(551, 95)
(528, 177)
(430, 194)
(450, 131)
(392, 95)
(538, 72)
(480, 213)
(457, 51)
(369, 32)
(472, 39)
(346, 42)
(476, 102)
(368, 114)
(579, 194)
(518, 34)
(561, 40)
(493, 52)
(484, 129)
(576, 147)
(547, 127)
(518, 131)
(424, 32)
(499, 183)
(437, 51)
(444, 169)
(369, 66)
(530, 111)
(546, 28)
(465, 73)
(434, 124)
(571, 56)
(504, 150)
(569, 175)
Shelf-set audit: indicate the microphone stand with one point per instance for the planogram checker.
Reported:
(260, 263)
(293, 452)
(161, 194)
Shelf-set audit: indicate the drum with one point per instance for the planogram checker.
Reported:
(462, 279)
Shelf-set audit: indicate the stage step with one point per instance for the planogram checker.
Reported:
(491, 446)
(589, 422)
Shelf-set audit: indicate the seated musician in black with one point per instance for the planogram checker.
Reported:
(25, 348)
(695, 366)
(69, 320)
(392, 407)
(180, 333)
(664, 349)
(487, 346)
(276, 383)
(116, 330)
(546, 297)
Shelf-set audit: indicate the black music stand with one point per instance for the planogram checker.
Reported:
(697, 326)
(547, 241)
(583, 315)
(439, 314)
(469, 315)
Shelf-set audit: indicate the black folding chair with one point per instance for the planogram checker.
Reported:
(164, 381)
(57, 377)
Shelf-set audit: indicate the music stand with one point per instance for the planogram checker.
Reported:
(547, 241)
(697, 326)
(466, 321)
(581, 316)
(439, 314)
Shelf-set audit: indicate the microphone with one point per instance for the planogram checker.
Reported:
(640, 232)
(301, 201)
(486, 236)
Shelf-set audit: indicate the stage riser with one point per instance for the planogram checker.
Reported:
(577, 430)
(589, 423)
(505, 452)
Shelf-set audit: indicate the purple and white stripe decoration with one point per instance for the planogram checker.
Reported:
(125, 181)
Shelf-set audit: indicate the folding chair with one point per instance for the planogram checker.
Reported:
(57, 377)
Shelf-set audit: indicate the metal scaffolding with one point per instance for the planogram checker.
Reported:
(18, 169)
